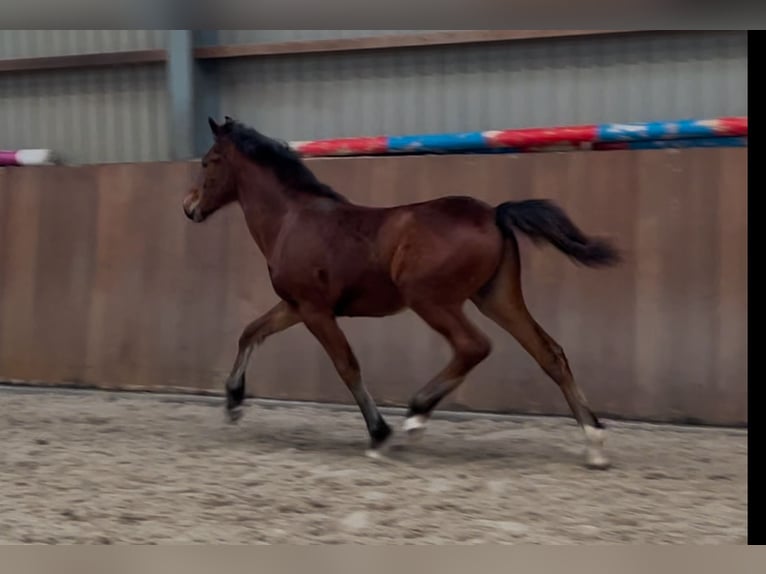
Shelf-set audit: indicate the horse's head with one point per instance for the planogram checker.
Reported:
(216, 183)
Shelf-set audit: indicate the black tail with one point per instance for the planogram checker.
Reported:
(541, 219)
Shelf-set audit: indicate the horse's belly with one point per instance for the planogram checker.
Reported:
(370, 300)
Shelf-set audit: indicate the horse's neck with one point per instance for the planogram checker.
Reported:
(265, 206)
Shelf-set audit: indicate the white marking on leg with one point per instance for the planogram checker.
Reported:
(380, 451)
(415, 423)
(594, 436)
(373, 453)
(381, 455)
(594, 453)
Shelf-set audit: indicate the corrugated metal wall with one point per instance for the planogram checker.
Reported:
(261, 36)
(85, 115)
(516, 84)
(120, 114)
(38, 43)
(89, 115)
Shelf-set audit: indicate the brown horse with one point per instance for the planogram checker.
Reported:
(328, 257)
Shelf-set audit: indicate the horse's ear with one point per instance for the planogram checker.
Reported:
(229, 119)
(214, 127)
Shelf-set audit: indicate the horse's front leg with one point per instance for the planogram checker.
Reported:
(280, 317)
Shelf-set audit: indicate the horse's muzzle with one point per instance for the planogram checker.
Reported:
(191, 207)
(191, 214)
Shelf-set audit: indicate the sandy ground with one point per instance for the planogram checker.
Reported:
(101, 468)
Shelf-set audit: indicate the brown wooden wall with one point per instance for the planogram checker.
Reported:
(103, 281)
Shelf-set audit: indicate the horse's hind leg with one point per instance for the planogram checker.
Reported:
(278, 318)
(469, 346)
(502, 301)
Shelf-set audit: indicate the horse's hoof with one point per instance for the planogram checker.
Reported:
(374, 453)
(380, 450)
(233, 414)
(415, 427)
(380, 455)
(597, 462)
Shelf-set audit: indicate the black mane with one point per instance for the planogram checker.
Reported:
(275, 154)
